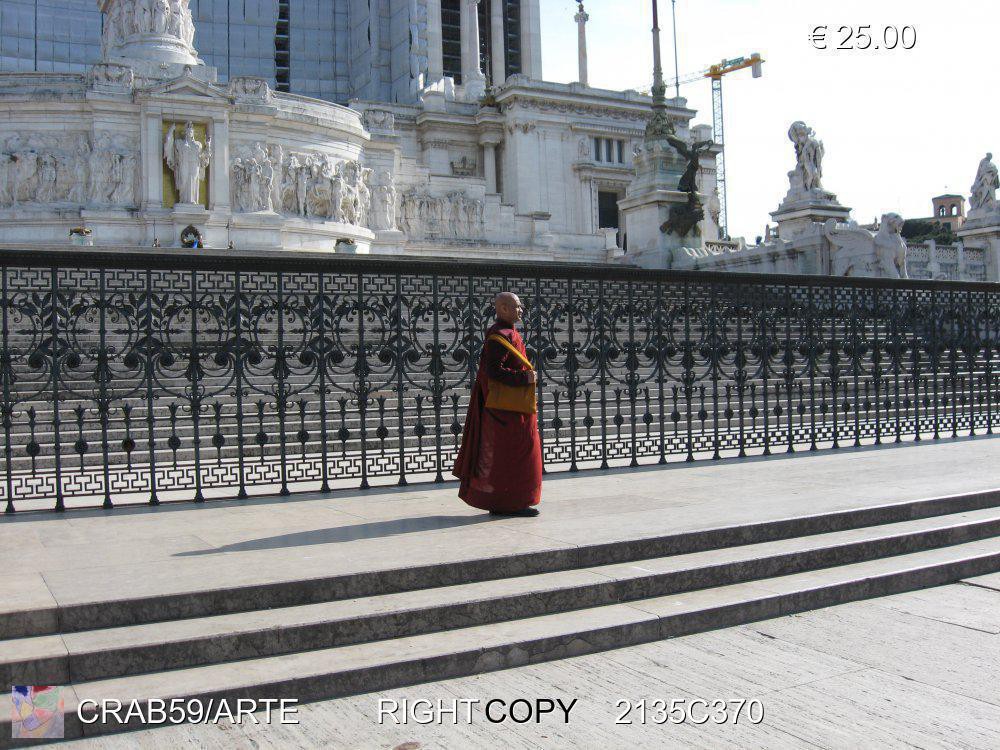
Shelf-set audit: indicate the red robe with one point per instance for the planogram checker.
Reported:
(500, 462)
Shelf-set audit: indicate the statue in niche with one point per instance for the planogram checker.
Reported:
(984, 189)
(809, 154)
(188, 159)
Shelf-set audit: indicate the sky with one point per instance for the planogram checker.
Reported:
(899, 126)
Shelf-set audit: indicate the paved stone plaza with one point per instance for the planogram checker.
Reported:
(117, 594)
(89, 556)
(902, 671)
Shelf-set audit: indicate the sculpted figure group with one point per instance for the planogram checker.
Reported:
(69, 170)
(126, 18)
(809, 152)
(310, 185)
(454, 216)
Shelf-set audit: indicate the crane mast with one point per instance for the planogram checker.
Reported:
(716, 73)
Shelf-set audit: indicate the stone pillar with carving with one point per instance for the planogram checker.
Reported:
(472, 68)
(581, 19)
(497, 39)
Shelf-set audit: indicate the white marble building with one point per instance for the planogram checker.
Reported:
(445, 150)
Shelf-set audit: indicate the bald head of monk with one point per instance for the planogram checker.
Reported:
(508, 307)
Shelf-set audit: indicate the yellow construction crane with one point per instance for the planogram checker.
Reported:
(716, 72)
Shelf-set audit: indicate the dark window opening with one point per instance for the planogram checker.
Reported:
(485, 41)
(607, 210)
(282, 54)
(451, 39)
(512, 35)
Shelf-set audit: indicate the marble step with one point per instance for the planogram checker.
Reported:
(119, 651)
(382, 665)
(107, 605)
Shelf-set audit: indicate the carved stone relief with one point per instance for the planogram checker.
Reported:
(127, 18)
(379, 120)
(250, 90)
(71, 170)
(453, 216)
(310, 185)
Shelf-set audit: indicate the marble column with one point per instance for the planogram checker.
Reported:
(497, 42)
(490, 163)
(218, 190)
(531, 40)
(435, 53)
(472, 71)
(581, 19)
(151, 139)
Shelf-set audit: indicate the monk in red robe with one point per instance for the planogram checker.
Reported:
(500, 462)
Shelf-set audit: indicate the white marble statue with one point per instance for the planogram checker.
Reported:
(384, 202)
(809, 154)
(858, 252)
(984, 189)
(188, 159)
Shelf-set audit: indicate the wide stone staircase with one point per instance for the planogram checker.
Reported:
(315, 638)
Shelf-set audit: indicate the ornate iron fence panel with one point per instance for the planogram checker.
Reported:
(155, 377)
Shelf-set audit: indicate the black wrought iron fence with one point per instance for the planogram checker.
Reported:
(157, 377)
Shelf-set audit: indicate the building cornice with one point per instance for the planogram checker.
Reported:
(579, 100)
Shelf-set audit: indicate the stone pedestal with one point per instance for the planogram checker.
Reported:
(982, 230)
(254, 230)
(388, 242)
(647, 206)
(801, 211)
(186, 215)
